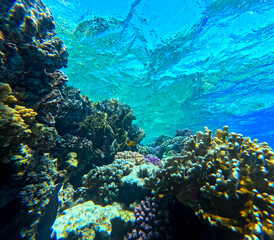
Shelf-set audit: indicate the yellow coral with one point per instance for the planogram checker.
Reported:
(242, 192)
(14, 119)
(72, 161)
(234, 176)
(129, 155)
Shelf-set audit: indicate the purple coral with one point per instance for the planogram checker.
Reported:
(158, 151)
(150, 222)
(183, 132)
(153, 160)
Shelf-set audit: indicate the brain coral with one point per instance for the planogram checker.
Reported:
(227, 179)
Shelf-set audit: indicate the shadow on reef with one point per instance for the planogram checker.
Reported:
(168, 219)
(186, 225)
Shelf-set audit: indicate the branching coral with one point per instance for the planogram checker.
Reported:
(227, 179)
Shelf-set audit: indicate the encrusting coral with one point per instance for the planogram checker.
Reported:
(227, 179)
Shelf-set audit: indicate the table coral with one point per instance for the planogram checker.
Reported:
(88, 220)
(233, 176)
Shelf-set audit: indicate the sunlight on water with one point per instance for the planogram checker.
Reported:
(180, 64)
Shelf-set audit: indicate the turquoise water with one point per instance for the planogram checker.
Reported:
(178, 64)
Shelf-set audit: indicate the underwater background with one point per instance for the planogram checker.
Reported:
(177, 64)
(146, 120)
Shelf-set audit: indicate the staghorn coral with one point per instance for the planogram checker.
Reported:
(88, 220)
(227, 179)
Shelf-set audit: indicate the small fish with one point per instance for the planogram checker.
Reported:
(48, 217)
(132, 143)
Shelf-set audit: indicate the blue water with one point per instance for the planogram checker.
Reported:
(177, 63)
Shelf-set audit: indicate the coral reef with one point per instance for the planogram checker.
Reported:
(111, 129)
(227, 179)
(96, 133)
(183, 132)
(88, 220)
(50, 133)
(153, 160)
(151, 222)
(165, 146)
(43, 142)
(29, 49)
(113, 182)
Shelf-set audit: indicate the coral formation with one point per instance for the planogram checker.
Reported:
(43, 141)
(88, 220)
(153, 160)
(96, 133)
(165, 146)
(183, 132)
(151, 222)
(227, 179)
(28, 49)
(50, 133)
(111, 182)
